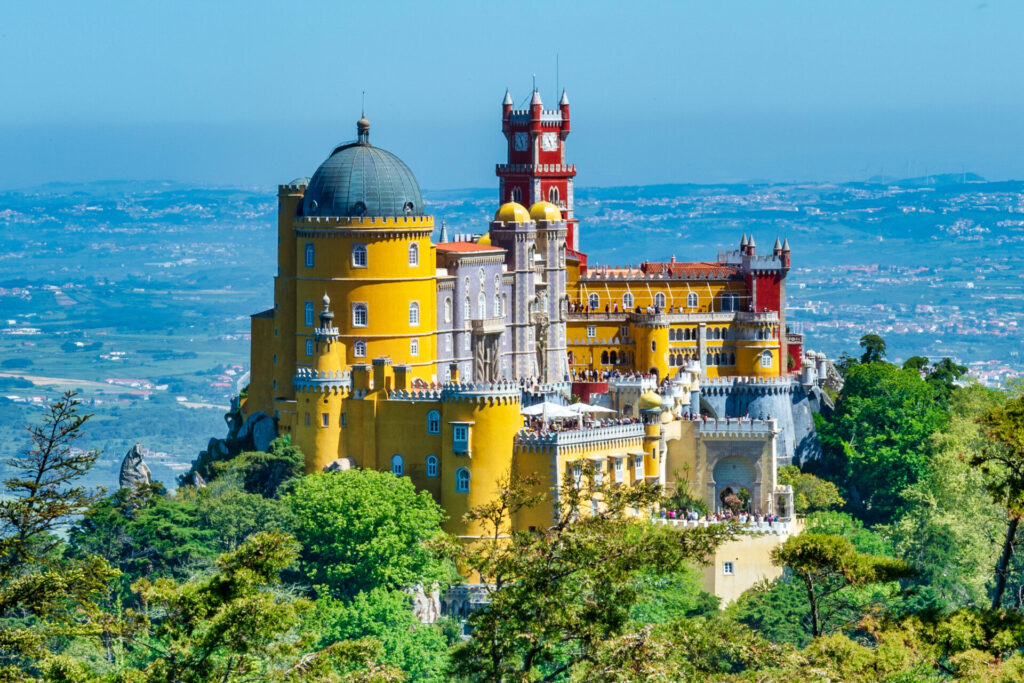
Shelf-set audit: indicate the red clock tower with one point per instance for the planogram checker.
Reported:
(536, 169)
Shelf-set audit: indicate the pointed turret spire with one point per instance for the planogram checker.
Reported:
(785, 244)
(508, 98)
(778, 245)
(565, 98)
(743, 242)
(536, 98)
(444, 230)
(750, 242)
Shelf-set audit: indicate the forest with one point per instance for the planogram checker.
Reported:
(907, 569)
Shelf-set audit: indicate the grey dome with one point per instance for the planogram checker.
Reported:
(359, 179)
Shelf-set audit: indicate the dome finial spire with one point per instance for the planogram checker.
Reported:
(363, 124)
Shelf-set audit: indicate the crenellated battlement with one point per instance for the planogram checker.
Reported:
(578, 437)
(311, 379)
(735, 428)
(724, 386)
(503, 392)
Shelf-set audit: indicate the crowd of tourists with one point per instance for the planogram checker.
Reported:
(743, 517)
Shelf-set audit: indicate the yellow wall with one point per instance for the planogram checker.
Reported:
(751, 558)
(261, 367)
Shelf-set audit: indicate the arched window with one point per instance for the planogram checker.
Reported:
(462, 480)
(308, 319)
(604, 358)
(531, 256)
(309, 347)
(414, 254)
(468, 313)
(718, 359)
(725, 333)
(717, 333)
(310, 254)
(561, 254)
(447, 310)
(671, 360)
(504, 305)
(593, 301)
(553, 195)
(414, 347)
(686, 334)
(431, 465)
(433, 422)
(517, 195)
(659, 300)
(692, 300)
(766, 359)
(397, 465)
(359, 349)
(729, 302)
(481, 304)
(359, 255)
(614, 358)
(498, 313)
(709, 360)
(627, 301)
(654, 346)
(414, 313)
(360, 315)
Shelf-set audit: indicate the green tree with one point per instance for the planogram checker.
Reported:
(555, 595)
(828, 564)
(809, 492)
(663, 598)
(874, 348)
(916, 363)
(42, 593)
(265, 473)
(949, 529)
(943, 377)
(1003, 461)
(362, 529)
(876, 443)
(419, 650)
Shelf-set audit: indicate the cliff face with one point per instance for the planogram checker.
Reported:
(253, 433)
(134, 470)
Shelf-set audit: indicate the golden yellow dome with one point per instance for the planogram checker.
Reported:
(511, 212)
(545, 211)
(485, 240)
(649, 401)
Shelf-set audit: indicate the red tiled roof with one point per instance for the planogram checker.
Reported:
(689, 268)
(465, 247)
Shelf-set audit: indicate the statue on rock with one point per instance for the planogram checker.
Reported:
(134, 471)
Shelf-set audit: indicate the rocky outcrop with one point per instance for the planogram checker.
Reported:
(425, 606)
(134, 471)
(252, 433)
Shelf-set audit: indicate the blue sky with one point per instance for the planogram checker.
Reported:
(255, 93)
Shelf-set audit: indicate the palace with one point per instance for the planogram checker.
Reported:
(386, 349)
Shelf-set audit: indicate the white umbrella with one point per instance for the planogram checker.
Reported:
(548, 410)
(587, 408)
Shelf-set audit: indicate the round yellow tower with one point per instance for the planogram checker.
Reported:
(363, 237)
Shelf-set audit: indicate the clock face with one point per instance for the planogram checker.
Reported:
(549, 142)
(522, 142)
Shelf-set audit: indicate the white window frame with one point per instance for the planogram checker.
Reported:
(766, 359)
(692, 300)
(414, 347)
(460, 438)
(414, 314)
(359, 349)
(310, 254)
(591, 332)
(447, 309)
(619, 475)
(628, 301)
(414, 255)
(359, 256)
(659, 300)
(593, 300)
(728, 568)
(462, 480)
(358, 306)
(638, 467)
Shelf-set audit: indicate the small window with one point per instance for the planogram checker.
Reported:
(397, 465)
(307, 419)
(468, 313)
(766, 359)
(593, 301)
(359, 315)
(309, 347)
(553, 195)
(654, 346)
(359, 349)
(433, 422)
(577, 475)
(359, 255)
(460, 438)
(325, 419)
(414, 347)
(414, 254)
(624, 332)
(594, 507)
(498, 313)
(309, 313)
(638, 466)
(627, 301)
(659, 300)
(448, 343)
(343, 421)
(481, 304)
(692, 300)
(447, 310)
(414, 313)
(591, 331)
(431, 465)
(462, 480)
(727, 568)
(310, 254)
(517, 195)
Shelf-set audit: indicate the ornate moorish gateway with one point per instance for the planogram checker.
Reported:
(389, 350)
